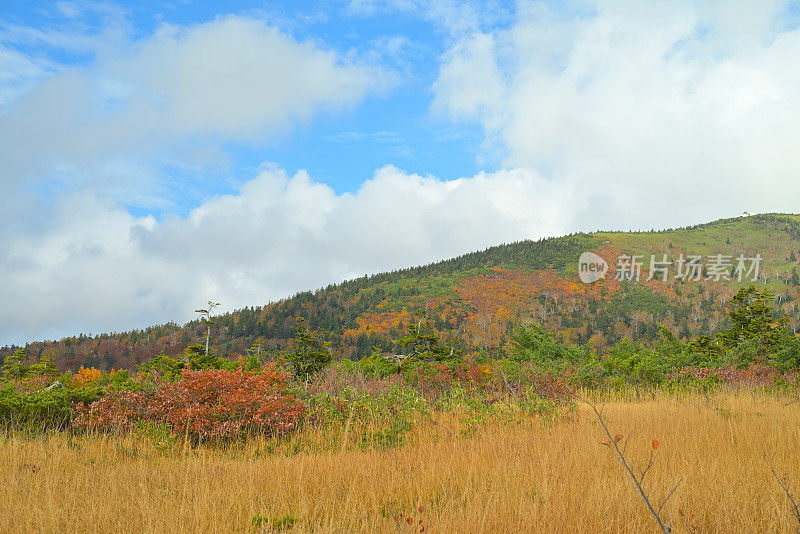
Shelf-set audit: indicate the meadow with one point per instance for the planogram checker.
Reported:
(677, 436)
(523, 472)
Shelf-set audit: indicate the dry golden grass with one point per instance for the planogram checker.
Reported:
(528, 477)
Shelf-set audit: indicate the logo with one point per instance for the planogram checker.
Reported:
(591, 267)
(691, 268)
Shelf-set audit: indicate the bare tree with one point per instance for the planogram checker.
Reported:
(205, 316)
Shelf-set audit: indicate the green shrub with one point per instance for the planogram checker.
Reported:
(43, 409)
(272, 524)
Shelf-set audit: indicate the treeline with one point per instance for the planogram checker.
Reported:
(202, 394)
(333, 308)
(633, 312)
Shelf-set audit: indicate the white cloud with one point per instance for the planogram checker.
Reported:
(624, 114)
(91, 266)
(239, 78)
(80, 144)
(18, 73)
(232, 79)
(656, 114)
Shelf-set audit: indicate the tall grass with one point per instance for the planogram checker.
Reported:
(512, 474)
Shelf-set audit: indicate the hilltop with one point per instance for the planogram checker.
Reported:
(477, 299)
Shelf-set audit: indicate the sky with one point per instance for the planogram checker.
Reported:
(156, 155)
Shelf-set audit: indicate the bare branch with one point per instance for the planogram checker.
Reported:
(649, 465)
(635, 482)
(678, 483)
(510, 389)
(795, 511)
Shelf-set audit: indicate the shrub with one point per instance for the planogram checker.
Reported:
(213, 404)
(42, 409)
(87, 375)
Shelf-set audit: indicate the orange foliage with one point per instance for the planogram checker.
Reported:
(87, 375)
(378, 323)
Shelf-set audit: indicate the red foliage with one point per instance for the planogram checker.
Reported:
(436, 379)
(333, 381)
(33, 383)
(215, 404)
(757, 374)
(547, 384)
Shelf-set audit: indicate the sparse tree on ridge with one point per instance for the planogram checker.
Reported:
(205, 316)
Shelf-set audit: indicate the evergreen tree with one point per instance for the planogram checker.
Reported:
(45, 366)
(163, 366)
(421, 342)
(205, 316)
(15, 367)
(752, 319)
(200, 358)
(311, 352)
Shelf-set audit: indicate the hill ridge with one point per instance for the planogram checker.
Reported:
(476, 298)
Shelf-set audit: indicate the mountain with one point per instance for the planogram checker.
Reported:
(477, 299)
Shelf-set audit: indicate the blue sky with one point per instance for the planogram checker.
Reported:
(158, 155)
(395, 126)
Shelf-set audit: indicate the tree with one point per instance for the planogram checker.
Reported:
(163, 366)
(311, 353)
(205, 316)
(15, 367)
(45, 366)
(752, 319)
(253, 358)
(203, 360)
(534, 344)
(421, 342)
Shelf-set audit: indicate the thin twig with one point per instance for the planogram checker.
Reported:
(635, 482)
(678, 483)
(649, 465)
(795, 511)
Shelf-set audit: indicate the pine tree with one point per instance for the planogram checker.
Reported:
(311, 352)
(45, 366)
(752, 318)
(15, 367)
(421, 342)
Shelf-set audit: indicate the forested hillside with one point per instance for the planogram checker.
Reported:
(476, 300)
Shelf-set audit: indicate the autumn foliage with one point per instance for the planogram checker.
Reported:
(755, 375)
(215, 404)
(87, 375)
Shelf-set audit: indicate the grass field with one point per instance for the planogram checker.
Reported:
(523, 476)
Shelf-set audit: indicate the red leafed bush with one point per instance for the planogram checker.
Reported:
(434, 379)
(216, 404)
(755, 375)
(118, 410)
(547, 384)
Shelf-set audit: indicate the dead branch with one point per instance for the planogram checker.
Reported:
(636, 482)
(795, 511)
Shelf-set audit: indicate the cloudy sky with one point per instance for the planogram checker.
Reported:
(157, 155)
